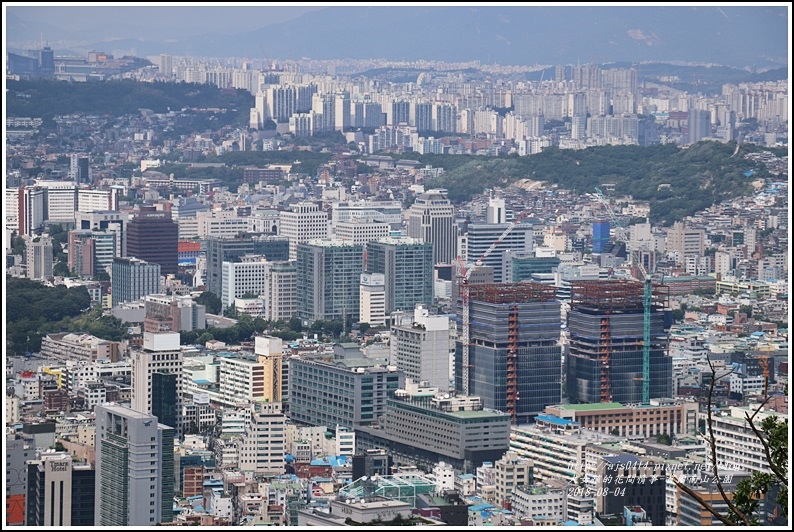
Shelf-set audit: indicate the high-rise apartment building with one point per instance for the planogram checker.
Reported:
(431, 218)
(152, 236)
(166, 65)
(306, 221)
(328, 280)
(606, 326)
(698, 124)
(514, 352)
(134, 468)
(132, 278)
(407, 266)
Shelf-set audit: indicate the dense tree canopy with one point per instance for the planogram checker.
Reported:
(48, 98)
(32, 306)
(676, 182)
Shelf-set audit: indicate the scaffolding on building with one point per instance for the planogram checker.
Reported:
(617, 296)
(526, 292)
(612, 336)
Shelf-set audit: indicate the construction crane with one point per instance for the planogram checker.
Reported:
(647, 299)
(762, 353)
(465, 295)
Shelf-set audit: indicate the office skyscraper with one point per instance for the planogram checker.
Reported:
(600, 236)
(132, 278)
(606, 324)
(79, 169)
(420, 347)
(152, 236)
(220, 250)
(39, 258)
(432, 219)
(372, 299)
(480, 237)
(157, 377)
(306, 221)
(134, 468)
(329, 273)
(514, 354)
(407, 266)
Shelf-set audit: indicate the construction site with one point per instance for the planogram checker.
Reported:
(514, 354)
(616, 343)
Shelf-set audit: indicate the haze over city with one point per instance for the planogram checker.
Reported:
(327, 265)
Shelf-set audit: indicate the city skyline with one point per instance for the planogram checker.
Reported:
(303, 270)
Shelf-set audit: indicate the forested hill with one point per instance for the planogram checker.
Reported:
(676, 181)
(45, 98)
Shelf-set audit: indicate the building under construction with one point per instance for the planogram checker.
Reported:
(514, 349)
(606, 325)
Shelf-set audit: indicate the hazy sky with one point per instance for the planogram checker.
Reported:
(199, 18)
(744, 35)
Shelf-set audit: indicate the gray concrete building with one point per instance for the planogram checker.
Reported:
(349, 392)
(134, 468)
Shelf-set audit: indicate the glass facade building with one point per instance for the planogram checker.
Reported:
(503, 317)
(407, 266)
(600, 236)
(329, 272)
(606, 326)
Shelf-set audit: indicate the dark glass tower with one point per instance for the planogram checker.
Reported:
(606, 326)
(515, 354)
(152, 236)
(164, 400)
(600, 236)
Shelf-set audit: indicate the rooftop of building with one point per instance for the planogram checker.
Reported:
(590, 406)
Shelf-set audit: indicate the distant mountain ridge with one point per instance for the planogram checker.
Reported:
(732, 35)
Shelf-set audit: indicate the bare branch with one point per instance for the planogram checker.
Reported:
(779, 474)
(703, 502)
(713, 444)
